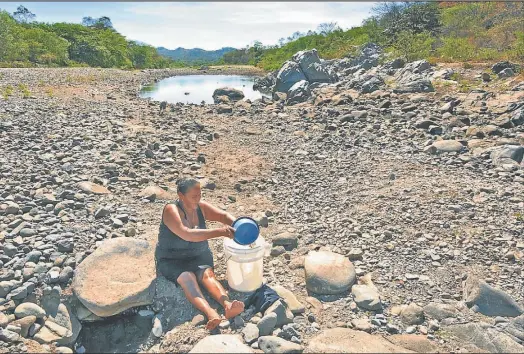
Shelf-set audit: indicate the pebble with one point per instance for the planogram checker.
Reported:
(224, 324)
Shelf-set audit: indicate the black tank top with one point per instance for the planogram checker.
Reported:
(172, 246)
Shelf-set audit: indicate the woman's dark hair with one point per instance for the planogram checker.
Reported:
(185, 184)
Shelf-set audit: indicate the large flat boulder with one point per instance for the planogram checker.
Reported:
(221, 343)
(328, 273)
(345, 340)
(272, 344)
(484, 336)
(119, 275)
(415, 342)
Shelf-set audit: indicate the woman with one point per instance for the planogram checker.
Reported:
(183, 255)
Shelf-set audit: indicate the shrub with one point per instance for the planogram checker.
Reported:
(454, 48)
(413, 46)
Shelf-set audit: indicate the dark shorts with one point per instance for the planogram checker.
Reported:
(172, 268)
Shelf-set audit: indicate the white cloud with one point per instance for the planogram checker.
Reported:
(213, 25)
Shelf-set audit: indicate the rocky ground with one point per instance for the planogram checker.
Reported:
(392, 195)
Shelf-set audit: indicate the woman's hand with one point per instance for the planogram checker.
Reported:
(228, 231)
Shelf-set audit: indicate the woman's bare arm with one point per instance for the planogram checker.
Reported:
(213, 213)
(174, 223)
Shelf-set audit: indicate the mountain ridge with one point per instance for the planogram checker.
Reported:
(194, 55)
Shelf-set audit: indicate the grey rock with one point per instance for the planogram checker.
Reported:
(289, 74)
(8, 336)
(509, 154)
(412, 315)
(10, 250)
(284, 314)
(362, 324)
(508, 72)
(223, 108)
(238, 322)
(286, 239)
(328, 272)
(52, 332)
(440, 311)
(20, 293)
(371, 85)
(66, 274)
(290, 299)
(288, 332)
(33, 256)
(231, 93)
(267, 324)
(516, 328)
(12, 208)
(485, 337)
(277, 251)
(102, 212)
(250, 333)
(488, 300)
(448, 146)
(298, 93)
(367, 297)
(4, 320)
(24, 324)
(502, 65)
(29, 309)
(272, 344)
(157, 327)
(27, 232)
(65, 245)
(311, 66)
(198, 320)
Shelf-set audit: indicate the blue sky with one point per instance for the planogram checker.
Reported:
(207, 25)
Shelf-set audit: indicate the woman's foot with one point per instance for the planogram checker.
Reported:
(213, 323)
(233, 308)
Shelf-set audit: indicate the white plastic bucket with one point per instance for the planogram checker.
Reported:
(245, 264)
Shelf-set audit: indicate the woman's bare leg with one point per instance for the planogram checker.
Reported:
(189, 284)
(216, 290)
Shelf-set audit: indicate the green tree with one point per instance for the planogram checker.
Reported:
(23, 15)
(9, 38)
(45, 47)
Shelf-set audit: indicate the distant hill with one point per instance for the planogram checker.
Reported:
(195, 55)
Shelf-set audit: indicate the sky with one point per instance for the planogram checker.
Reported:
(206, 25)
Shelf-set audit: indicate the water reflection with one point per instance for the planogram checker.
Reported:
(198, 88)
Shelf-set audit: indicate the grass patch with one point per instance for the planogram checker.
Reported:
(49, 92)
(464, 85)
(7, 92)
(25, 90)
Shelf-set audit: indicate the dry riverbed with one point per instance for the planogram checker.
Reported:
(356, 179)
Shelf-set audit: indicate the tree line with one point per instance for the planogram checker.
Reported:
(432, 30)
(25, 42)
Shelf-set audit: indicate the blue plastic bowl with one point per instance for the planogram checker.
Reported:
(246, 230)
